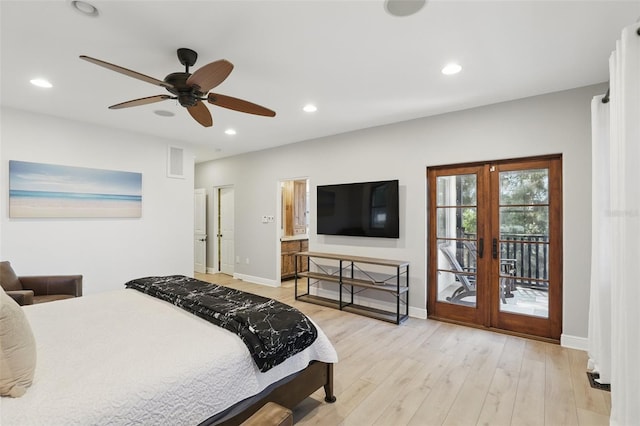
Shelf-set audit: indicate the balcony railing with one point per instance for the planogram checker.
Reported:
(531, 255)
(528, 254)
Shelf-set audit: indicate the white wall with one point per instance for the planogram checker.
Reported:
(108, 252)
(548, 124)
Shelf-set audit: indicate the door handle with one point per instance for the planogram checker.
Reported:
(494, 248)
(481, 248)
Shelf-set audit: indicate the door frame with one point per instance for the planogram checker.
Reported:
(202, 235)
(215, 211)
(280, 224)
(488, 317)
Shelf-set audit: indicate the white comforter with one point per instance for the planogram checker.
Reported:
(123, 358)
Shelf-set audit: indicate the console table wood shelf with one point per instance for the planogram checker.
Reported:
(350, 276)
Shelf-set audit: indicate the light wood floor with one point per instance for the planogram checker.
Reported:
(425, 372)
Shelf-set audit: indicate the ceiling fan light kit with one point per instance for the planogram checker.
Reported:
(189, 89)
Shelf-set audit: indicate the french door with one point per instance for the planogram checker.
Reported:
(495, 245)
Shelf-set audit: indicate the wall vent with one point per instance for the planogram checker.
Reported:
(175, 162)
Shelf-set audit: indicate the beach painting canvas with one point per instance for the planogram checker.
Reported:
(39, 190)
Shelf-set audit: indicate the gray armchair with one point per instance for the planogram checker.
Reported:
(28, 290)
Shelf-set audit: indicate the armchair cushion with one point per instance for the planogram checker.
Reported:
(17, 349)
(23, 297)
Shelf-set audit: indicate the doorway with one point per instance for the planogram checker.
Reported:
(200, 230)
(294, 225)
(495, 245)
(225, 234)
(295, 208)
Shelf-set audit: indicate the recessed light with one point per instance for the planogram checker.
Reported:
(41, 82)
(230, 132)
(86, 9)
(164, 113)
(451, 69)
(403, 7)
(310, 108)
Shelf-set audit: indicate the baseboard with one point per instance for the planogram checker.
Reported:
(249, 278)
(417, 313)
(574, 342)
(257, 280)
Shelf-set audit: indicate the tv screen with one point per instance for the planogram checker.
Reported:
(364, 209)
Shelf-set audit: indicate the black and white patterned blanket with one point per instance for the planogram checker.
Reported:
(271, 330)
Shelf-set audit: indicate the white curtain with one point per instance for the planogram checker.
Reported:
(616, 272)
(600, 298)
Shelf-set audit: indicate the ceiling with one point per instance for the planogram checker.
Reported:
(359, 64)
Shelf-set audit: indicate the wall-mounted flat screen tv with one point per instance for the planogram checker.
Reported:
(364, 209)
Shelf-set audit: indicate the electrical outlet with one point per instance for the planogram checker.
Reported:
(270, 218)
(265, 219)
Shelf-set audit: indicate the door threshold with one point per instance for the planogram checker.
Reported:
(496, 330)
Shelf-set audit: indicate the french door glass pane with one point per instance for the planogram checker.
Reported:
(529, 260)
(458, 190)
(524, 187)
(457, 272)
(457, 222)
(524, 242)
(524, 221)
(456, 215)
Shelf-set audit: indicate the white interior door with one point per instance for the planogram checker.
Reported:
(200, 230)
(226, 232)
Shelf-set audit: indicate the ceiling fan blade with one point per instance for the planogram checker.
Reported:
(141, 101)
(210, 75)
(201, 114)
(127, 72)
(239, 105)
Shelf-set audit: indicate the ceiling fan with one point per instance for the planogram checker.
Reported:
(190, 89)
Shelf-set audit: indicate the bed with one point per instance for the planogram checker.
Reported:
(127, 357)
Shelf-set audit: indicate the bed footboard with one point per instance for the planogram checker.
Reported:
(316, 375)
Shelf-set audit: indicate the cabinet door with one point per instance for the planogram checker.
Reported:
(304, 246)
(287, 265)
(287, 248)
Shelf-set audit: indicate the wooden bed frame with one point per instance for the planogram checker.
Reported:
(316, 375)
